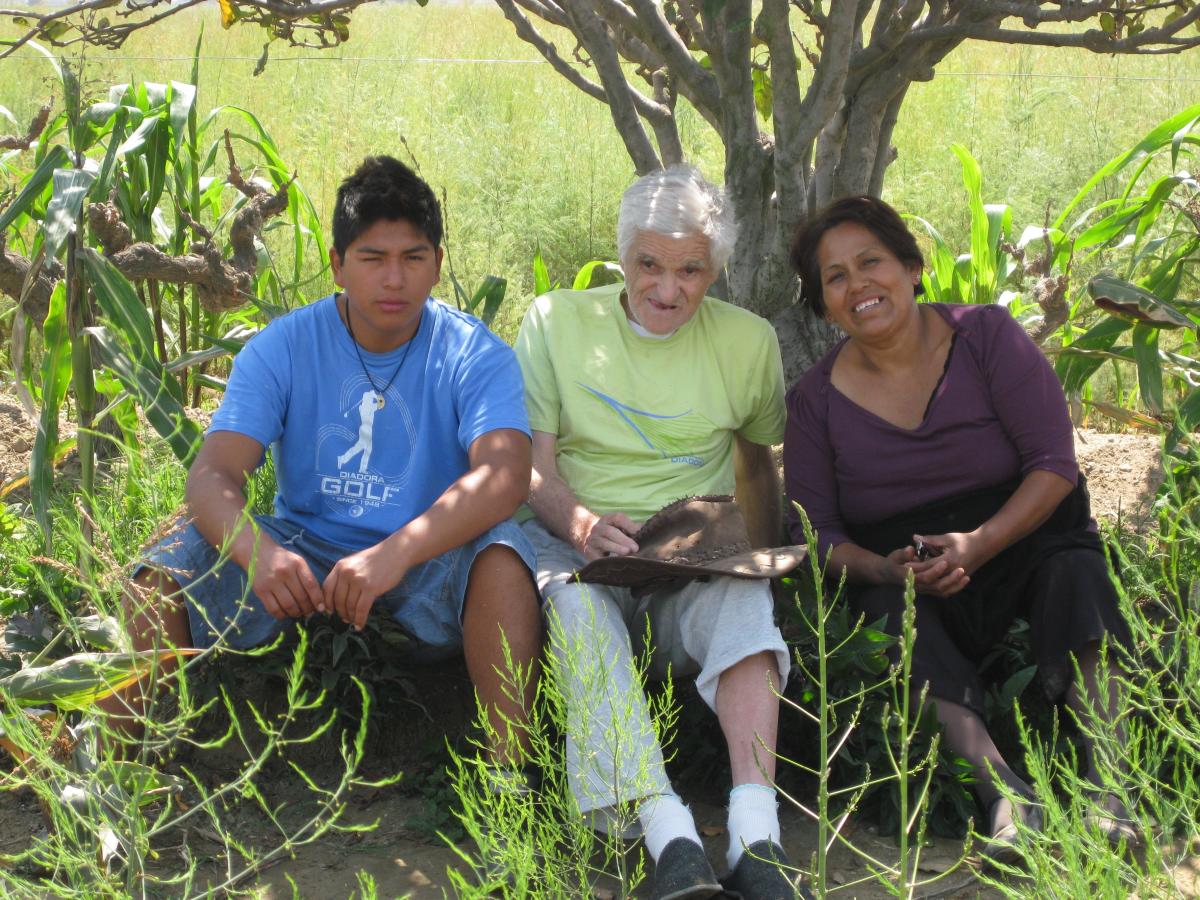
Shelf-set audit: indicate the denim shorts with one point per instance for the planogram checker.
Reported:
(427, 604)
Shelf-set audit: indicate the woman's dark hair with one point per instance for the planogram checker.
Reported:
(383, 188)
(869, 212)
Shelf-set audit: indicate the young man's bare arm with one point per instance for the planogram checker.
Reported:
(216, 497)
(556, 505)
(487, 494)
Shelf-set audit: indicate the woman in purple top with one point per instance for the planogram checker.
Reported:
(934, 439)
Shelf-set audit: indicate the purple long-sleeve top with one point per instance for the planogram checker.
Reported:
(998, 414)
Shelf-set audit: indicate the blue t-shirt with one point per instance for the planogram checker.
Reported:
(348, 469)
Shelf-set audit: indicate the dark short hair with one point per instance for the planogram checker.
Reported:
(869, 212)
(383, 188)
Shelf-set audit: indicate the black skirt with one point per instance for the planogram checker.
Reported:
(1056, 578)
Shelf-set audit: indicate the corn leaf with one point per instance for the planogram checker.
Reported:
(101, 632)
(1075, 369)
(151, 384)
(103, 181)
(78, 681)
(56, 377)
(141, 134)
(587, 276)
(120, 303)
(1129, 301)
(938, 278)
(541, 276)
(1162, 135)
(40, 177)
(66, 201)
(183, 101)
(1149, 367)
(1126, 417)
(487, 298)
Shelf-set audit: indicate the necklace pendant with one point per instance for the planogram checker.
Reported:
(379, 400)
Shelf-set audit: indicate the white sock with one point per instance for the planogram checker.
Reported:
(753, 816)
(664, 818)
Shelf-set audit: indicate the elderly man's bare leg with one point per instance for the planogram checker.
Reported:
(748, 709)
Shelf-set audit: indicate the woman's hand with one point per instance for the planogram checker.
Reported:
(948, 570)
(961, 549)
(936, 577)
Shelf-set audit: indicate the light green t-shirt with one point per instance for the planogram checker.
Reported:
(642, 422)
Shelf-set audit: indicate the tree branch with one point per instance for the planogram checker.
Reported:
(659, 115)
(791, 150)
(1152, 41)
(883, 19)
(885, 154)
(14, 272)
(530, 35)
(590, 30)
(696, 82)
(220, 284)
(36, 126)
(825, 92)
(666, 132)
(548, 12)
(626, 32)
(702, 37)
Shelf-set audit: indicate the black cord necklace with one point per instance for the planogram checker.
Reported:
(379, 392)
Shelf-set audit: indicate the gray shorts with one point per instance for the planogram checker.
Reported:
(427, 604)
(701, 628)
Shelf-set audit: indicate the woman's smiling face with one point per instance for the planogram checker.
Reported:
(865, 287)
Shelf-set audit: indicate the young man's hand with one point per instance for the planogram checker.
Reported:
(357, 581)
(284, 583)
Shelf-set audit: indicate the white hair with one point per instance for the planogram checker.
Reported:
(678, 202)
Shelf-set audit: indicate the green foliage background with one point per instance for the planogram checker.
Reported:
(528, 161)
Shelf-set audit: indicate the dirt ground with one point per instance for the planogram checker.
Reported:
(403, 854)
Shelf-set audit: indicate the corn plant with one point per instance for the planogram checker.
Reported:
(981, 274)
(1108, 274)
(1145, 239)
(144, 294)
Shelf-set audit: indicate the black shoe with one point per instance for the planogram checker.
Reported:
(683, 873)
(761, 875)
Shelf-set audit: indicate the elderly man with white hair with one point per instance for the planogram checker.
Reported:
(639, 394)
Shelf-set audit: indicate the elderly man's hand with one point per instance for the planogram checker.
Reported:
(606, 535)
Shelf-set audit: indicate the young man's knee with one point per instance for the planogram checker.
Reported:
(501, 589)
(499, 569)
(154, 606)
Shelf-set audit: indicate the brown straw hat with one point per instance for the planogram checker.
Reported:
(693, 538)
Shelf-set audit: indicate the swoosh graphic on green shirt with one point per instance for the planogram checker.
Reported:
(670, 435)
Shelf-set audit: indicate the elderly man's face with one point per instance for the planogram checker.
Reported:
(665, 279)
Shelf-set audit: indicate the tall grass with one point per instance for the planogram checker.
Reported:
(527, 161)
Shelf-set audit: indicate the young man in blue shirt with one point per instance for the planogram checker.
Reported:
(401, 446)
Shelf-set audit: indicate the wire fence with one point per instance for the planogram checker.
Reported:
(492, 61)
